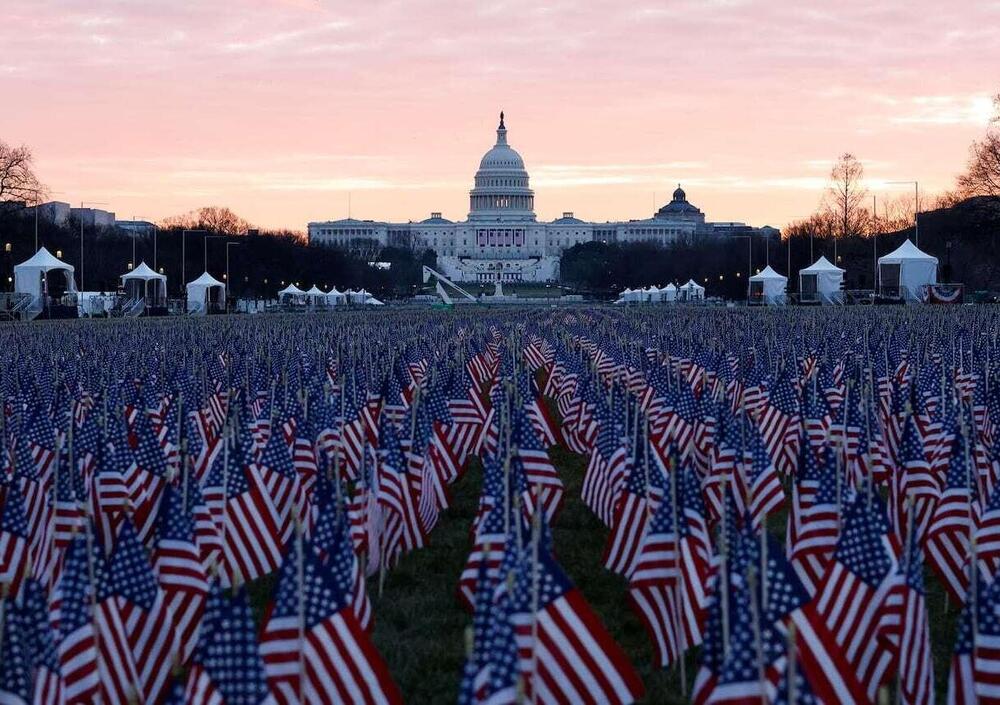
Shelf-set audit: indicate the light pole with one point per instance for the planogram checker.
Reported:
(228, 283)
(82, 204)
(916, 207)
(184, 255)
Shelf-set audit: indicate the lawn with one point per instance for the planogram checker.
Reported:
(420, 627)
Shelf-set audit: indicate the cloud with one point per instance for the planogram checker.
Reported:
(944, 110)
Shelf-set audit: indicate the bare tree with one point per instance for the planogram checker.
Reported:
(17, 176)
(846, 197)
(982, 174)
(211, 218)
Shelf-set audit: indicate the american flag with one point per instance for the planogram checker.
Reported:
(253, 529)
(14, 539)
(77, 648)
(332, 538)
(574, 658)
(227, 668)
(402, 531)
(975, 659)
(630, 518)
(145, 615)
(951, 526)
(780, 426)
(314, 649)
(179, 569)
(543, 480)
(30, 613)
(655, 585)
(908, 629)
(852, 599)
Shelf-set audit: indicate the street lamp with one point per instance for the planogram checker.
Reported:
(916, 207)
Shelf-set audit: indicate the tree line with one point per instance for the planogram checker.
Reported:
(259, 262)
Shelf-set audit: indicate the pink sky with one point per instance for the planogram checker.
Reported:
(279, 108)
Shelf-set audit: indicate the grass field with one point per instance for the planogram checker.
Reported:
(420, 627)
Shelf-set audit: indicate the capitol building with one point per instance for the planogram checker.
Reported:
(502, 240)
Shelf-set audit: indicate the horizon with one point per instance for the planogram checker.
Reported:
(285, 110)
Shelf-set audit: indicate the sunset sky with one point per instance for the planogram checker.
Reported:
(280, 108)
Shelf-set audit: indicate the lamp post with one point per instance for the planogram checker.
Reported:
(916, 207)
(184, 255)
(228, 284)
(82, 204)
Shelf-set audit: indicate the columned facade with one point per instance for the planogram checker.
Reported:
(501, 239)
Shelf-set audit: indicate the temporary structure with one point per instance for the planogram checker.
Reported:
(30, 276)
(316, 296)
(291, 294)
(905, 271)
(669, 292)
(137, 285)
(200, 293)
(692, 291)
(768, 287)
(335, 297)
(821, 281)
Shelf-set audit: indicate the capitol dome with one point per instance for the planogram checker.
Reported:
(500, 190)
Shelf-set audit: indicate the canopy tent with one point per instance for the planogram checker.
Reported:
(652, 294)
(335, 297)
(820, 281)
(316, 295)
(137, 283)
(905, 271)
(199, 294)
(669, 292)
(30, 276)
(768, 287)
(692, 291)
(291, 294)
(372, 301)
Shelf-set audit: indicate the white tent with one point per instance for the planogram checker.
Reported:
(669, 292)
(29, 276)
(372, 301)
(652, 294)
(768, 287)
(316, 295)
(692, 291)
(291, 293)
(335, 297)
(905, 271)
(199, 294)
(137, 281)
(631, 295)
(820, 281)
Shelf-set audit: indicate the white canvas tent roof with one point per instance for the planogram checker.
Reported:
(916, 269)
(291, 290)
(199, 292)
(772, 285)
(821, 265)
(141, 276)
(768, 274)
(28, 274)
(316, 291)
(143, 273)
(692, 284)
(907, 252)
(827, 280)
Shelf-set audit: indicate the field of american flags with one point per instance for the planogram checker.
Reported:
(500, 506)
